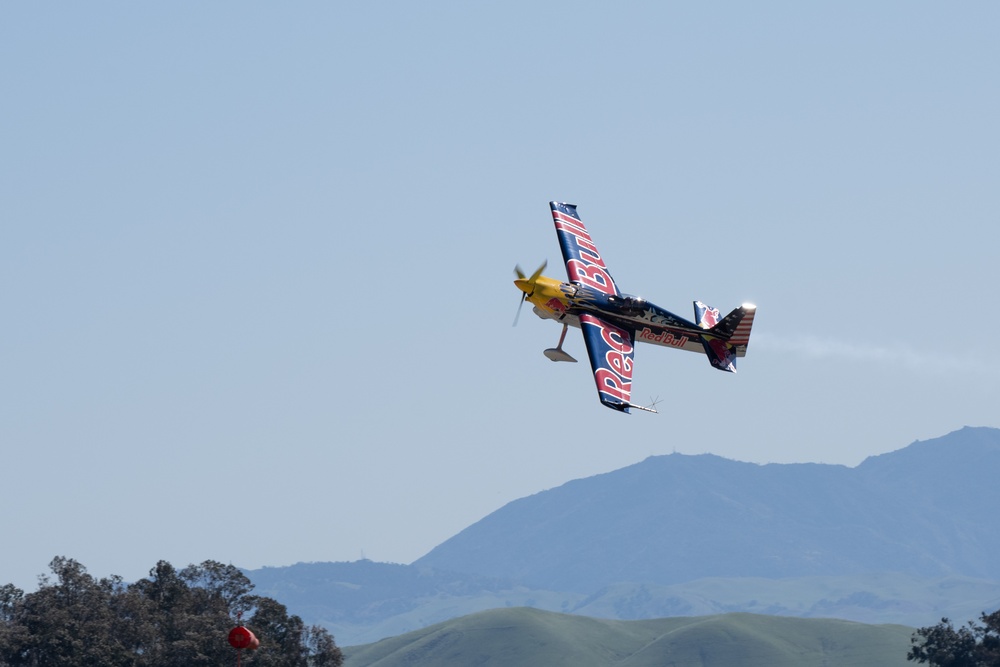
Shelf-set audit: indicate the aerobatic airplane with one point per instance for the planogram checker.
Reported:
(612, 321)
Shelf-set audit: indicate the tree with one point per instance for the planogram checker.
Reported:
(287, 642)
(972, 645)
(67, 622)
(170, 619)
(323, 651)
(280, 635)
(188, 611)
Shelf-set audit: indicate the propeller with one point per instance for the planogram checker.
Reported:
(517, 316)
(530, 283)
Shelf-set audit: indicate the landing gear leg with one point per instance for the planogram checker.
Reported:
(557, 353)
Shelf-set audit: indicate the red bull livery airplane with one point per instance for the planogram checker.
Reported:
(612, 321)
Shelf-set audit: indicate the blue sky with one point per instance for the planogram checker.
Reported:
(257, 259)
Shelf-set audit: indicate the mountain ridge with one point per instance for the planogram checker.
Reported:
(899, 538)
(675, 518)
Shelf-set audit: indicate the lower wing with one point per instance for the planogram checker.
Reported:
(610, 349)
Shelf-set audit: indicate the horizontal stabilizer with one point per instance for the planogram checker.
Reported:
(735, 327)
(728, 340)
(720, 354)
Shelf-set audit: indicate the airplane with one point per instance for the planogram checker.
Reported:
(612, 321)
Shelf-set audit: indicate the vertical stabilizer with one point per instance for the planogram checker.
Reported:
(705, 316)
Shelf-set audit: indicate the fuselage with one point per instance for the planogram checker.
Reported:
(564, 302)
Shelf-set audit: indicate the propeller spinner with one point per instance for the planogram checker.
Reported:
(526, 285)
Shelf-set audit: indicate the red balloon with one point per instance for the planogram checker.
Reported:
(240, 638)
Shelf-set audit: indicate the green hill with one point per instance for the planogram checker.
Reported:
(528, 637)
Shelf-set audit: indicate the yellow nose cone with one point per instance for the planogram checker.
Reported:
(523, 285)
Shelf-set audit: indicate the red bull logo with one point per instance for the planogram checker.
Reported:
(614, 376)
(662, 338)
(585, 264)
(705, 316)
(722, 357)
(556, 305)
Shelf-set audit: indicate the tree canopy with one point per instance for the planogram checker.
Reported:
(972, 645)
(172, 618)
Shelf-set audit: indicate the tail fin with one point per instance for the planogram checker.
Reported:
(705, 316)
(728, 339)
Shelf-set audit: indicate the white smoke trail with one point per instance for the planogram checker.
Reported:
(902, 355)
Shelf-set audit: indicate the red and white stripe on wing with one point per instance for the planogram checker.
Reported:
(584, 264)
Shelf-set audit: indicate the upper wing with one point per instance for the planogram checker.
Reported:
(583, 263)
(610, 349)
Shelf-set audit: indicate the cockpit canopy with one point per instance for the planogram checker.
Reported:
(628, 304)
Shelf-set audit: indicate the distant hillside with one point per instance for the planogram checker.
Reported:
(926, 510)
(363, 602)
(906, 537)
(528, 637)
(366, 601)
